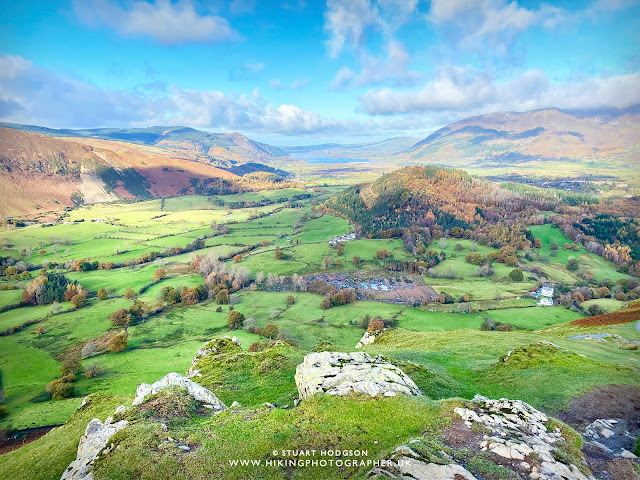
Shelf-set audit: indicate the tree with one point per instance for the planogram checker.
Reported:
(595, 309)
(237, 258)
(340, 249)
(93, 371)
(270, 330)
(129, 293)
(102, 293)
(118, 343)
(516, 275)
(290, 300)
(79, 300)
(71, 363)
(537, 243)
(375, 325)
(159, 274)
(474, 259)
(572, 264)
(235, 320)
(169, 294)
(120, 318)
(511, 260)
(278, 253)
(189, 296)
(356, 260)
(222, 297)
(325, 304)
(327, 262)
(60, 388)
(382, 254)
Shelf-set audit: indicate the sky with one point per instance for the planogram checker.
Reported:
(300, 72)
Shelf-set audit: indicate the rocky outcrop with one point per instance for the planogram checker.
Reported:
(95, 439)
(518, 432)
(612, 436)
(198, 392)
(211, 347)
(337, 373)
(405, 463)
(368, 338)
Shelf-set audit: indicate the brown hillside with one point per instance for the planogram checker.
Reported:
(40, 173)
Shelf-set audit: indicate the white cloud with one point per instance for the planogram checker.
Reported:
(346, 22)
(467, 91)
(393, 69)
(495, 23)
(297, 84)
(163, 21)
(29, 94)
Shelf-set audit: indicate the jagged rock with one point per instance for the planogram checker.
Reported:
(368, 338)
(198, 392)
(517, 430)
(94, 440)
(611, 435)
(212, 346)
(337, 373)
(235, 405)
(405, 463)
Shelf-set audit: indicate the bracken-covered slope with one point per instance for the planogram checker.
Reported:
(227, 148)
(40, 173)
(513, 137)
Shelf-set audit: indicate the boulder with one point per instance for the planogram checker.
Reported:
(368, 338)
(211, 347)
(198, 392)
(94, 441)
(337, 373)
(406, 463)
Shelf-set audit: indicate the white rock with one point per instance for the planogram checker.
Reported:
(120, 410)
(173, 379)
(337, 373)
(94, 440)
(628, 454)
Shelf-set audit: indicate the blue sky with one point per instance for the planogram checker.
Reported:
(301, 71)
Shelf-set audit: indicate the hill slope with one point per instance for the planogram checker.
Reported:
(39, 173)
(227, 148)
(547, 135)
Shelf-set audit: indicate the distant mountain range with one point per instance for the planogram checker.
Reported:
(538, 135)
(390, 146)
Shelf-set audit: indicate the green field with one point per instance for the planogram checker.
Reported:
(453, 355)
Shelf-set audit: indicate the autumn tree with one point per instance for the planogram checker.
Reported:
(382, 254)
(222, 297)
(356, 260)
(278, 253)
(118, 343)
(129, 293)
(120, 318)
(235, 320)
(290, 300)
(270, 330)
(237, 258)
(159, 274)
(102, 293)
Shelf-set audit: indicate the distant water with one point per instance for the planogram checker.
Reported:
(313, 158)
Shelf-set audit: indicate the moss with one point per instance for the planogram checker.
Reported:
(481, 465)
(432, 384)
(569, 449)
(252, 378)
